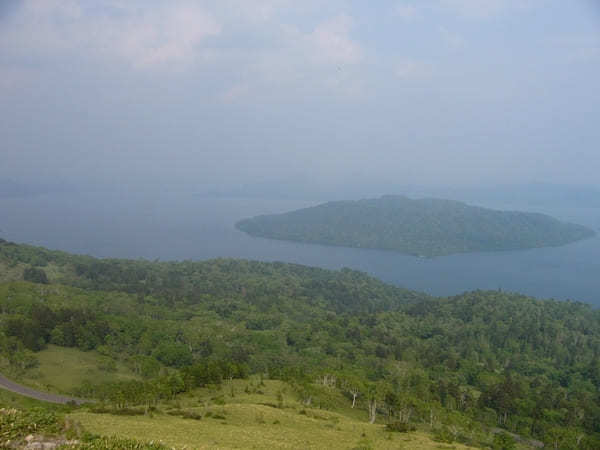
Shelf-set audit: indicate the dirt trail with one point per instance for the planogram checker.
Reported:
(11, 386)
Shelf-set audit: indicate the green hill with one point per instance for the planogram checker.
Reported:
(221, 353)
(423, 227)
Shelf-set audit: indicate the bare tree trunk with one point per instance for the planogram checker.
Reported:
(354, 395)
(372, 410)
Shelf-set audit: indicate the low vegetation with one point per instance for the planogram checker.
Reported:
(41, 427)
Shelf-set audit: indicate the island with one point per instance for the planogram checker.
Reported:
(425, 227)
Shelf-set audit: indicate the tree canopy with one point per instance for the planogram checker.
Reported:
(492, 358)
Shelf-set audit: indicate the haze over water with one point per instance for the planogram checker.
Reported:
(180, 225)
(266, 97)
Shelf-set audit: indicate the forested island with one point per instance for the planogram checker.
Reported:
(233, 353)
(421, 227)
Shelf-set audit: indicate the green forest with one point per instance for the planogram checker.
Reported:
(421, 227)
(487, 369)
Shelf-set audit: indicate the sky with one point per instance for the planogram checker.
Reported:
(315, 93)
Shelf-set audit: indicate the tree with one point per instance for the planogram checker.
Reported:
(173, 354)
(373, 395)
(503, 398)
(353, 386)
(35, 275)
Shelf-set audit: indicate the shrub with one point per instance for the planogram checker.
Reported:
(443, 434)
(400, 427)
(185, 414)
(504, 441)
(15, 424)
(119, 411)
(114, 443)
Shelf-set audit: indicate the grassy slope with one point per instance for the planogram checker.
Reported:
(251, 419)
(241, 429)
(61, 368)
(249, 423)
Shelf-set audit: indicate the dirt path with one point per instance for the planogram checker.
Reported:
(5, 383)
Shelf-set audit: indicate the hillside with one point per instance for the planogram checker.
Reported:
(239, 414)
(230, 351)
(423, 227)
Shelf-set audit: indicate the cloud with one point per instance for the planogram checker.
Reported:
(235, 92)
(577, 47)
(160, 38)
(255, 11)
(474, 8)
(248, 43)
(322, 58)
(586, 54)
(66, 10)
(451, 39)
(11, 77)
(165, 35)
(485, 9)
(330, 42)
(406, 12)
(411, 69)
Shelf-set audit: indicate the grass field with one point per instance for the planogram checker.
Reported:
(244, 425)
(260, 427)
(254, 420)
(254, 414)
(239, 414)
(61, 369)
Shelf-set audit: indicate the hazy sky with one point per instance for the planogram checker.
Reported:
(343, 92)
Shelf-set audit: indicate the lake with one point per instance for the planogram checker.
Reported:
(178, 226)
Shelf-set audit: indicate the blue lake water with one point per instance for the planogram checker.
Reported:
(177, 226)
